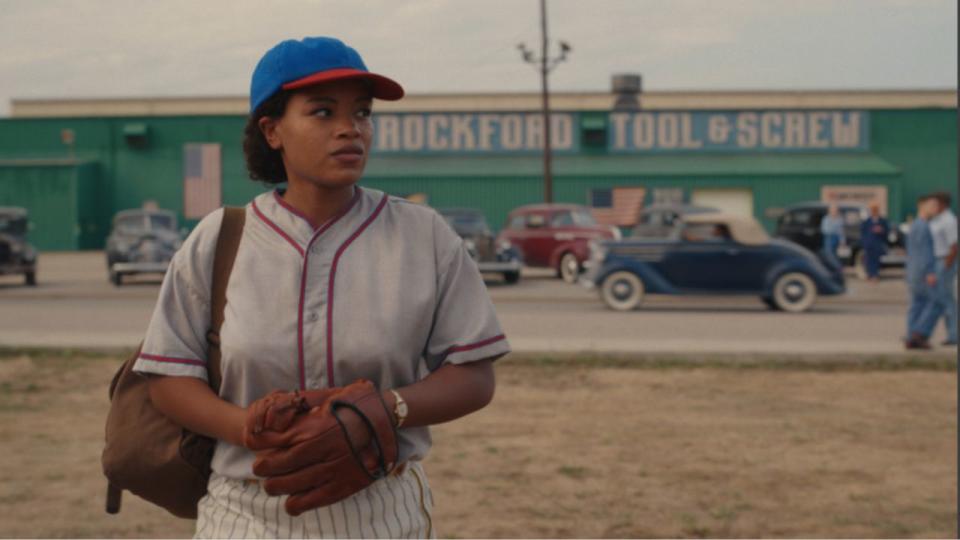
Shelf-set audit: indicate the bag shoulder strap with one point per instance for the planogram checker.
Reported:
(231, 230)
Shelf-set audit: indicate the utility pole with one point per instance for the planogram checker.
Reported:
(546, 64)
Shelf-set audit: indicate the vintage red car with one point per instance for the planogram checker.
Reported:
(554, 236)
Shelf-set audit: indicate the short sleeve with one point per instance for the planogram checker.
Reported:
(175, 343)
(465, 326)
(950, 230)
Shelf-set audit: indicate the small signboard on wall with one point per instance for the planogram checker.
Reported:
(865, 195)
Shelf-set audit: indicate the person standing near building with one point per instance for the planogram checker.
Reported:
(832, 229)
(873, 238)
(943, 228)
(921, 271)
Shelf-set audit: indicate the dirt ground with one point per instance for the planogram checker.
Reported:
(574, 451)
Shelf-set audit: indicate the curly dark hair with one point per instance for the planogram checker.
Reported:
(264, 163)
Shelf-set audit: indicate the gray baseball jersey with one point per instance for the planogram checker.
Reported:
(385, 291)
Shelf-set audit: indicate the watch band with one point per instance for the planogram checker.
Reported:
(399, 408)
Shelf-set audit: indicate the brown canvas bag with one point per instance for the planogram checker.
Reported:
(146, 453)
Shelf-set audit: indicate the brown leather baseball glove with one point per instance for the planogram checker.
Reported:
(330, 452)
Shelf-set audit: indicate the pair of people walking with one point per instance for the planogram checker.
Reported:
(932, 271)
(873, 239)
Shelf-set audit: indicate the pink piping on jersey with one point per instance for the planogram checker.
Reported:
(333, 276)
(172, 360)
(276, 228)
(303, 284)
(292, 210)
(471, 346)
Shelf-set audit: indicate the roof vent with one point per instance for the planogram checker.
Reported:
(627, 88)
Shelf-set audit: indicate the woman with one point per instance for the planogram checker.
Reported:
(332, 283)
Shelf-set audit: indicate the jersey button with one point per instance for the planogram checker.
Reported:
(313, 316)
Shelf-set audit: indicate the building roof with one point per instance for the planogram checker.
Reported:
(511, 101)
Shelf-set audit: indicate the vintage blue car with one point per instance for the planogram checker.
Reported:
(712, 253)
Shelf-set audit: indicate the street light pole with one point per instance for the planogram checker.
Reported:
(544, 65)
(545, 100)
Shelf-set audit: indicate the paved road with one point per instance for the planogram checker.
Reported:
(74, 305)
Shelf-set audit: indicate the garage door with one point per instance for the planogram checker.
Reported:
(734, 201)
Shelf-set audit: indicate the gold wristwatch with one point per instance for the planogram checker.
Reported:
(399, 408)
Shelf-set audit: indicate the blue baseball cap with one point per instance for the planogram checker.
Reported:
(293, 64)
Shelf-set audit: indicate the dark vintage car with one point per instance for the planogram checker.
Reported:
(141, 242)
(555, 236)
(491, 256)
(711, 253)
(17, 256)
(800, 223)
(660, 220)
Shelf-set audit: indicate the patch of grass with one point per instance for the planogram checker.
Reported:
(794, 362)
(691, 526)
(492, 450)
(576, 473)
(65, 353)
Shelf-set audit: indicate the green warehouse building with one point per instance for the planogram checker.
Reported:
(75, 163)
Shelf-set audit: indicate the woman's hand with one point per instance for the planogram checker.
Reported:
(278, 409)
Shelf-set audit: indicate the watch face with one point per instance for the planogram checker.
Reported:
(402, 408)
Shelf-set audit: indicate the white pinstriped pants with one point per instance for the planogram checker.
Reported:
(398, 506)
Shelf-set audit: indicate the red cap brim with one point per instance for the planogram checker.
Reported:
(383, 88)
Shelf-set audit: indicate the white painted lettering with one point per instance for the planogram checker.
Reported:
(619, 123)
(413, 132)
(747, 130)
(437, 128)
(816, 124)
(561, 127)
(486, 123)
(388, 132)
(668, 130)
(795, 132)
(511, 132)
(461, 132)
(771, 128)
(846, 134)
(718, 129)
(643, 131)
(687, 140)
(534, 131)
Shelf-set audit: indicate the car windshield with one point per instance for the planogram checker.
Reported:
(161, 221)
(583, 218)
(13, 225)
(706, 232)
(466, 222)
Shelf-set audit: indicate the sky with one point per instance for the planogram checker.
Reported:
(119, 48)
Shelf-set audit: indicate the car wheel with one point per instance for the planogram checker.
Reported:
(511, 277)
(116, 278)
(30, 278)
(794, 292)
(622, 291)
(569, 267)
(768, 301)
(860, 265)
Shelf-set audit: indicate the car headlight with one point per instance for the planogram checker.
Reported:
(505, 245)
(597, 250)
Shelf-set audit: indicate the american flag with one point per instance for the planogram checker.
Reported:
(617, 206)
(201, 179)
